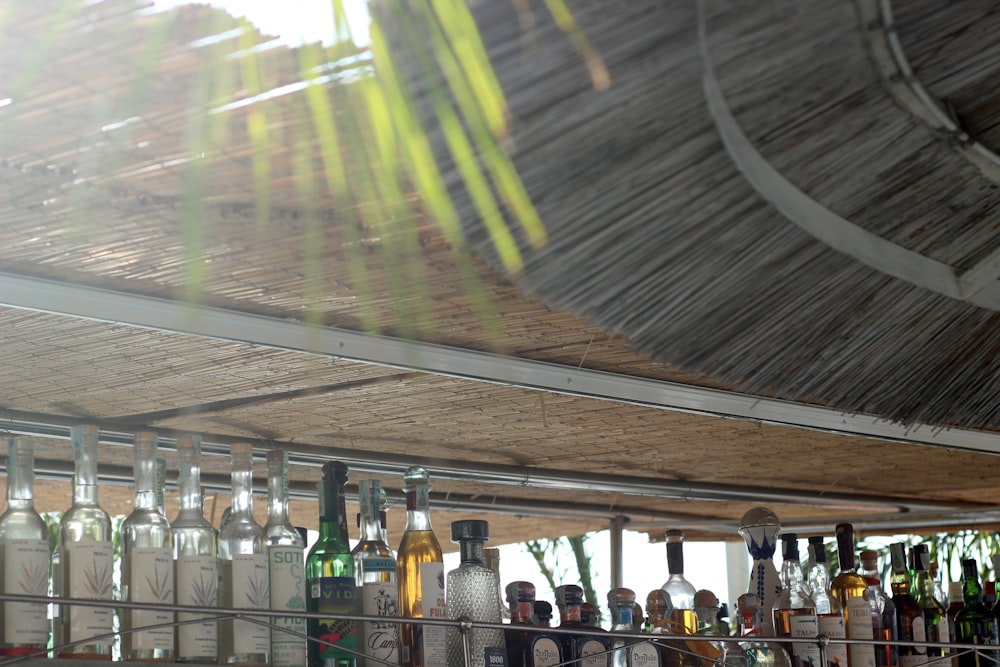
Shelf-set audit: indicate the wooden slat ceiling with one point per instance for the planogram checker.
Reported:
(93, 193)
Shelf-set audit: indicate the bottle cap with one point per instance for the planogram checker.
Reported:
(897, 555)
(145, 440)
(921, 558)
(240, 449)
(970, 569)
(955, 592)
(869, 559)
(185, 442)
(567, 595)
(658, 603)
(520, 591)
(336, 471)
(845, 545)
(542, 609)
(471, 529)
(415, 475)
(621, 597)
(276, 455)
(706, 598)
(790, 546)
(818, 548)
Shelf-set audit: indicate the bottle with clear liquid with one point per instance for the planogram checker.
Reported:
(681, 592)
(829, 613)
(84, 565)
(420, 569)
(286, 568)
(976, 624)
(883, 611)
(330, 578)
(196, 559)
(244, 582)
(375, 573)
(935, 615)
(589, 650)
(24, 557)
(794, 612)
(473, 591)
(628, 652)
(850, 589)
(909, 614)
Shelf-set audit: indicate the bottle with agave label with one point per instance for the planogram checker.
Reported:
(196, 559)
(244, 582)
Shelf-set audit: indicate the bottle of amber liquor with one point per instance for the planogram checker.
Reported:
(794, 611)
(850, 588)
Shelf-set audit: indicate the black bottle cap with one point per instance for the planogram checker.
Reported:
(845, 546)
(970, 569)
(542, 609)
(819, 548)
(790, 546)
(921, 558)
(472, 529)
(336, 471)
(897, 555)
(569, 594)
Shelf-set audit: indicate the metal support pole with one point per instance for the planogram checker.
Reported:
(617, 529)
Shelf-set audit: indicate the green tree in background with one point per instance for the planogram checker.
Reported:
(551, 558)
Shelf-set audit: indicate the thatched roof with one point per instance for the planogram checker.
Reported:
(676, 263)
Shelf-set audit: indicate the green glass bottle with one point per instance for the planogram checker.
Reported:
(976, 624)
(935, 615)
(330, 575)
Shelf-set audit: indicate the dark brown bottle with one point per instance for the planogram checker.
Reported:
(588, 650)
(909, 614)
(521, 602)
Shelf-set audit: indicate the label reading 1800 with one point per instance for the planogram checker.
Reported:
(495, 656)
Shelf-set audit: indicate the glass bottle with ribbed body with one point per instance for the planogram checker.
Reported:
(147, 563)
(375, 573)
(286, 568)
(680, 590)
(850, 589)
(794, 612)
(420, 569)
(330, 578)
(244, 581)
(976, 624)
(883, 611)
(491, 558)
(24, 556)
(196, 558)
(473, 591)
(829, 613)
(935, 615)
(909, 614)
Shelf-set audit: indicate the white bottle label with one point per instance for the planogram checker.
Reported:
(26, 572)
(288, 591)
(432, 605)
(381, 639)
(642, 654)
(943, 635)
(152, 581)
(805, 625)
(197, 585)
(250, 588)
(917, 655)
(88, 574)
(832, 625)
(592, 654)
(859, 626)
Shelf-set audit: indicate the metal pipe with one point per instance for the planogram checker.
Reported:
(617, 529)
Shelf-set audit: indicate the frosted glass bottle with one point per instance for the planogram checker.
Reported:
(147, 563)
(24, 557)
(375, 572)
(85, 560)
(244, 582)
(473, 590)
(286, 567)
(196, 558)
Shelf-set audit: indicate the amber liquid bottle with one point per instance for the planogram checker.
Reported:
(794, 611)
(909, 614)
(850, 589)
(935, 615)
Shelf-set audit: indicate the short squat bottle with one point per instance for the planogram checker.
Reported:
(473, 591)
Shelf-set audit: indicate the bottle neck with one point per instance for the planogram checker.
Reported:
(242, 484)
(418, 516)
(791, 574)
(570, 614)
(85, 467)
(329, 512)
(144, 467)
(622, 619)
(20, 473)
(675, 558)
(521, 611)
(471, 552)
(189, 480)
(368, 496)
(277, 492)
(900, 583)
(972, 592)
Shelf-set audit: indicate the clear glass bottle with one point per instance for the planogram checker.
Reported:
(829, 613)
(976, 624)
(628, 652)
(196, 558)
(850, 590)
(681, 592)
(521, 601)
(940, 592)
(794, 612)
(147, 563)
(909, 614)
(816, 570)
(420, 569)
(330, 578)
(383, 517)
(375, 573)
(883, 611)
(935, 615)
(759, 651)
(244, 582)
(491, 558)
(473, 591)
(24, 556)
(286, 568)
(85, 567)
(160, 486)
(588, 650)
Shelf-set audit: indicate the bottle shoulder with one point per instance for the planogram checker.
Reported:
(23, 523)
(283, 534)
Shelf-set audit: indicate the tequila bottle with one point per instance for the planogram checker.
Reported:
(330, 579)
(521, 600)
(829, 612)
(244, 583)
(759, 651)
(196, 558)
(883, 611)
(794, 612)
(24, 557)
(147, 564)
(909, 614)
(473, 591)
(935, 615)
(587, 650)
(286, 568)
(850, 589)
(420, 569)
(759, 528)
(545, 648)
(628, 652)
(85, 560)
(682, 617)
(976, 625)
(375, 573)
(491, 558)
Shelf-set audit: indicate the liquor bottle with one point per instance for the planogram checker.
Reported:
(883, 611)
(628, 652)
(759, 651)
(706, 609)
(196, 559)
(420, 570)
(829, 612)
(638, 617)
(955, 594)
(816, 570)
(990, 594)
(681, 592)
(383, 517)
(850, 589)
(285, 565)
(24, 557)
(244, 581)
(909, 613)
(161, 483)
(976, 625)
(375, 574)
(586, 650)
(940, 593)
(85, 560)
(330, 574)
(521, 600)
(546, 651)
(340, 475)
(794, 612)
(935, 615)
(147, 563)
(491, 559)
(473, 590)
(759, 528)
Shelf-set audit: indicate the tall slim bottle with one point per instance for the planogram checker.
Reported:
(794, 612)
(85, 556)
(24, 557)
(244, 583)
(829, 613)
(473, 591)
(286, 568)
(681, 591)
(196, 558)
(976, 625)
(935, 615)
(330, 579)
(909, 614)
(850, 589)
(883, 611)
(375, 573)
(421, 577)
